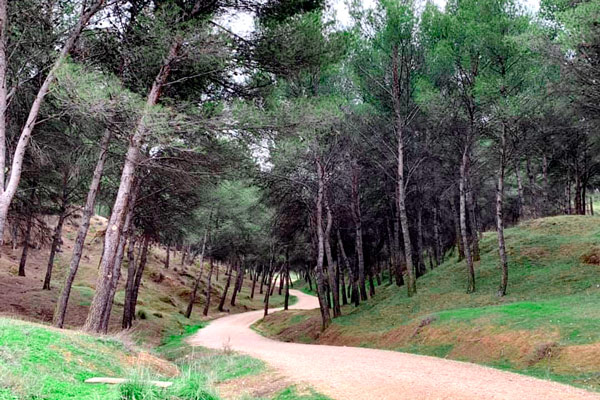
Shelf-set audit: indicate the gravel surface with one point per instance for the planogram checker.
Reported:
(353, 373)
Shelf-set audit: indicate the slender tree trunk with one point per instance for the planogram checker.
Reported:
(356, 215)
(167, 258)
(268, 291)
(411, 285)
(326, 318)
(111, 239)
(420, 263)
(351, 275)
(254, 277)
(127, 309)
(343, 282)
(208, 288)
(532, 189)
(591, 205)
(521, 198)
(25, 251)
(287, 288)
(436, 237)
(224, 296)
(459, 243)
(188, 311)
(9, 188)
(88, 210)
(499, 216)
(139, 273)
(56, 238)
(400, 258)
(330, 264)
(546, 188)
(463, 223)
(238, 283)
(472, 218)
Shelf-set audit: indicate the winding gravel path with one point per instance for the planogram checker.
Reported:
(352, 373)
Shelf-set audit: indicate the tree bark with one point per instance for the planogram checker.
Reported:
(8, 190)
(168, 257)
(208, 289)
(238, 283)
(351, 275)
(356, 216)
(324, 308)
(330, 264)
(458, 233)
(436, 237)
(226, 289)
(472, 217)
(420, 262)
(254, 277)
(111, 239)
(127, 309)
(287, 288)
(499, 215)
(188, 311)
(56, 238)
(463, 222)
(25, 251)
(521, 196)
(88, 210)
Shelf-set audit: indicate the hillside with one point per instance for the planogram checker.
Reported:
(547, 325)
(163, 294)
(30, 354)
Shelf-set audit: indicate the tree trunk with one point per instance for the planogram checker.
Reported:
(330, 264)
(25, 251)
(226, 289)
(268, 291)
(532, 189)
(436, 237)
(463, 223)
(356, 216)
(324, 308)
(420, 262)
(9, 188)
(238, 283)
(127, 309)
(459, 243)
(139, 273)
(521, 196)
(343, 282)
(399, 259)
(351, 275)
(111, 239)
(167, 258)
(56, 238)
(88, 210)
(472, 219)
(208, 289)
(254, 277)
(287, 288)
(499, 216)
(411, 285)
(546, 188)
(188, 311)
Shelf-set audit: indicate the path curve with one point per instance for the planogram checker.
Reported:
(353, 373)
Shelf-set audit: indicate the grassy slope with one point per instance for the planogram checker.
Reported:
(162, 299)
(547, 326)
(39, 362)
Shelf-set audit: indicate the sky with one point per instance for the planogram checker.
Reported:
(242, 24)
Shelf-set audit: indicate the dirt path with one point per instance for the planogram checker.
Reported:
(352, 373)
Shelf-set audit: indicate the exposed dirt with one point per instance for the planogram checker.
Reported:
(358, 373)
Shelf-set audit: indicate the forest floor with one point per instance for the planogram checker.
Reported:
(548, 326)
(163, 297)
(353, 373)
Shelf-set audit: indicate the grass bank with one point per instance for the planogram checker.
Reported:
(547, 326)
(40, 362)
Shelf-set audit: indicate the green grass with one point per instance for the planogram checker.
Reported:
(39, 362)
(553, 299)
